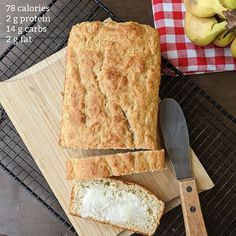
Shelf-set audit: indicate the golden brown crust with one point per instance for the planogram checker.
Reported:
(107, 223)
(74, 213)
(115, 164)
(111, 86)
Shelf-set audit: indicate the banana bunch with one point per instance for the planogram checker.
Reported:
(211, 21)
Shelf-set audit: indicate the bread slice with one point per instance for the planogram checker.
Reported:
(111, 87)
(125, 205)
(115, 164)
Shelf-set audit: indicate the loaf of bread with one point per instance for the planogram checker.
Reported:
(111, 87)
(115, 164)
(125, 205)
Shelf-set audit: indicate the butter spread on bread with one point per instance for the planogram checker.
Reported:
(125, 205)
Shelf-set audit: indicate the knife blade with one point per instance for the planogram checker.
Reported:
(176, 141)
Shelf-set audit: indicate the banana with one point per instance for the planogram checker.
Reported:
(205, 8)
(224, 38)
(229, 3)
(233, 48)
(202, 31)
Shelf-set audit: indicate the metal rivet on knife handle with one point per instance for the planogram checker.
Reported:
(189, 189)
(192, 209)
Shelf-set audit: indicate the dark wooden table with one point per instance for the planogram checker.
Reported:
(20, 214)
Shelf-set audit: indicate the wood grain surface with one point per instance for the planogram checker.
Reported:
(193, 218)
(36, 116)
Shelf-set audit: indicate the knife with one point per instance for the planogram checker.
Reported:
(176, 141)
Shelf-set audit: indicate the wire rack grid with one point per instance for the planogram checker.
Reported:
(212, 129)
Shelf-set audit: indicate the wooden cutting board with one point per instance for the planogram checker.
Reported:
(33, 102)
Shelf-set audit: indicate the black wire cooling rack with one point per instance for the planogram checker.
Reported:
(212, 129)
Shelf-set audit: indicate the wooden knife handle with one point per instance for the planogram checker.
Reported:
(193, 219)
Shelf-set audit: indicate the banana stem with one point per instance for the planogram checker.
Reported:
(230, 16)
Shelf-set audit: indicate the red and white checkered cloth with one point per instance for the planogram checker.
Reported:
(181, 52)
